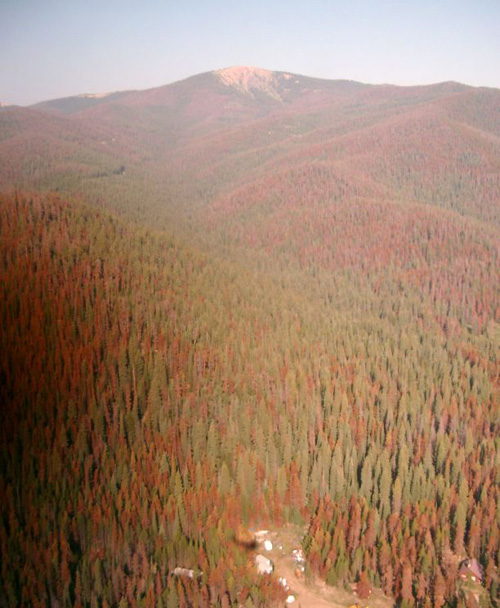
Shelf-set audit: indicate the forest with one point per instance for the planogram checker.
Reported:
(224, 310)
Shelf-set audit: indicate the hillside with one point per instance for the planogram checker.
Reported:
(206, 136)
(251, 299)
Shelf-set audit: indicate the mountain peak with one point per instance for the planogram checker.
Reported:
(249, 79)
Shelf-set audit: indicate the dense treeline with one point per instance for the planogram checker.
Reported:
(316, 220)
(318, 343)
(106, 385)
(153, 399)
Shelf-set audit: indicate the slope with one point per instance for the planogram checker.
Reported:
(318, 343)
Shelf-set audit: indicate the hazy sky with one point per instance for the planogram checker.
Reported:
(55, 48)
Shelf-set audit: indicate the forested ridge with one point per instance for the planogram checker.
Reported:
(187, 354)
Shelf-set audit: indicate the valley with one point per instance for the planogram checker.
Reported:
(251, 300)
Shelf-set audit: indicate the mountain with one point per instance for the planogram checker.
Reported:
(247, 300)
(405, 141)
(236, 93)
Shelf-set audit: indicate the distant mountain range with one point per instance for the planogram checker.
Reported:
(238, 125)
(251, 300)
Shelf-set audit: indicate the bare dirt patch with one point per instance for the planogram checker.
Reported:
(312, 592)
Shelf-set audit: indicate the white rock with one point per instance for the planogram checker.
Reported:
(264, 565)
(268, 545)
(290, 599)
(183, 572)
(298, 555)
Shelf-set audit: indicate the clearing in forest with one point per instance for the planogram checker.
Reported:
(308, 591)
